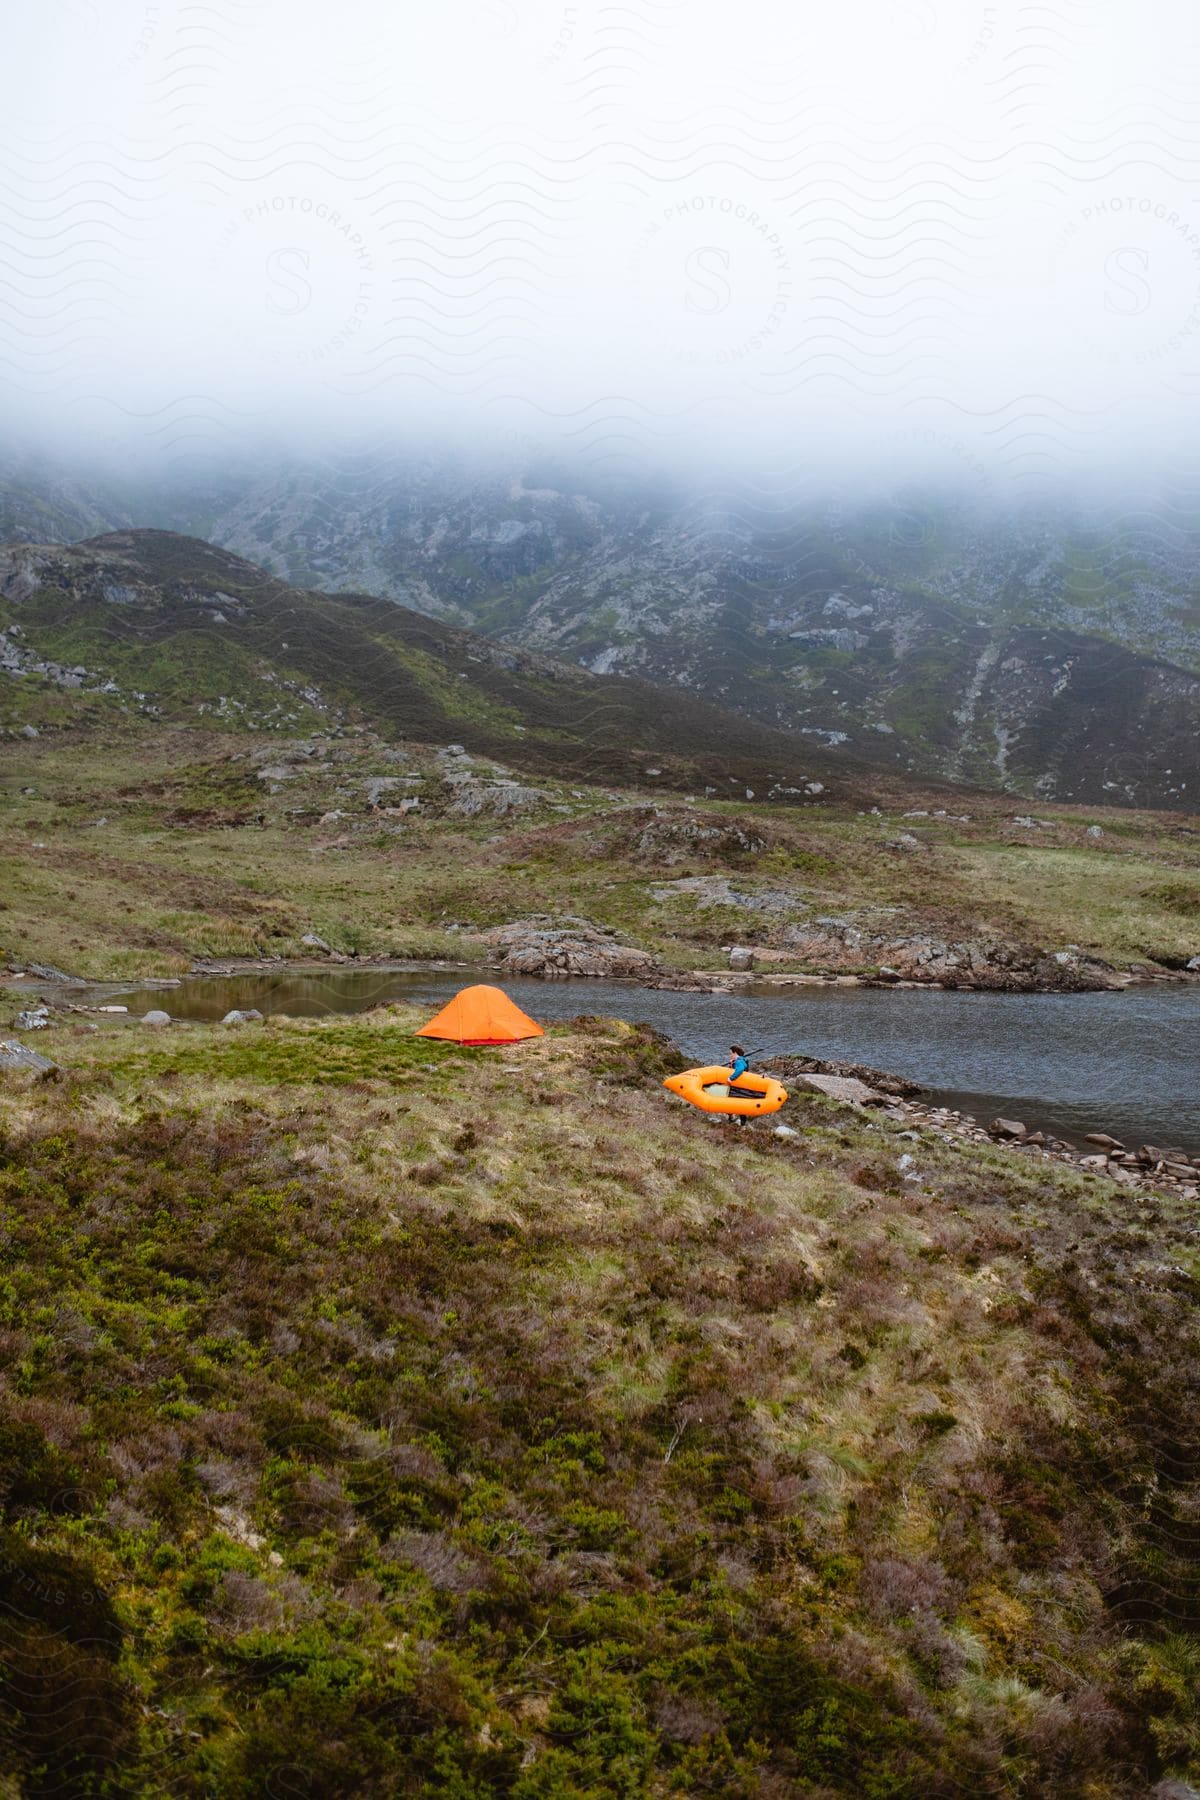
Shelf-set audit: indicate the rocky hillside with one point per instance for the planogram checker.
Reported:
(149, 623)
(1050, 650)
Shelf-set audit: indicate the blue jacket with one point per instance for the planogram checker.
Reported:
(738, 1066)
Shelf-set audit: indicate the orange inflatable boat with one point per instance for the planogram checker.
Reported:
(709, 1090)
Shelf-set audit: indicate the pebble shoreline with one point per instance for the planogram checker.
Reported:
(1153, 1167)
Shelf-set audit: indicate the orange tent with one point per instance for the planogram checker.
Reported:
(481, 1015)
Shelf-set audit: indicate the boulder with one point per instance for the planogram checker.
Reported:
(788, 1069)
(311, 941)
(572, 947)
(33, 1019)
(156, 1018)
(48, 972)
(1007, 1128)
(1096, 1163)
(1103, 1140)
(841, 1087)
(249, 1015)
(472, 794)
(18, 1056)
(741, 957)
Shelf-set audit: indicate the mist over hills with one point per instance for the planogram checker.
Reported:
(152, 623)
(1051, 647)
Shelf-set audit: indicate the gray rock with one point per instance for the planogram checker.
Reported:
(156, 1018)
(32, 1019)
(30, 731)
(249, 1015)
(1103, 1140)
(1194, 964)
(840, 1087)
(740, 957)
(311, 941)
(474, 797)
(47, 972)
(786, 1131)
(556, 949)
(18, 1056)
(1007, 1128)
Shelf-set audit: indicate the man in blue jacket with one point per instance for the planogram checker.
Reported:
(739, 1062)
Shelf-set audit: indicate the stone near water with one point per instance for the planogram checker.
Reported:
(554, 949)
(242, 1016)
(47, 972)
(840, 1087)
(1007, 1128)
(311, 941)
(1105, 1142)
(32, 1019)
(1093, 1162)
(156, 1018)
(740, 957)
(112, 1009)
(19, 1056)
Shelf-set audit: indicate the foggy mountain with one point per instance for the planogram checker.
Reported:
(1051, 647)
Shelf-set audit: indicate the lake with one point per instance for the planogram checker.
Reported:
(1126, 1062)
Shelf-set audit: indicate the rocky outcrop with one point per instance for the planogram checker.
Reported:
(840, 945)
(666, 835)
(554, 950)
(791, 1069)
(846, 1088)
(20, 1057)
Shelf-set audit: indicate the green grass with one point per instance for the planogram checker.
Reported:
(198, 858)
(405, 1420)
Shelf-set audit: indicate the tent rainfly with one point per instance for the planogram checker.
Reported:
(481, 1015)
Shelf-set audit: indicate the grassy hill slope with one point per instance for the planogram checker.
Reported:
(176, 629)
(136, 846)
(391, 1419)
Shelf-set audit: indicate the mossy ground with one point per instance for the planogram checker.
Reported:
(198, 857)
(385, 1418)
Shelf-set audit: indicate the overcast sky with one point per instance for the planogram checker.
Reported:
(765, 233)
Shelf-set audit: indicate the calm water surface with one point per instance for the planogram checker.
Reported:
(1124, 1062)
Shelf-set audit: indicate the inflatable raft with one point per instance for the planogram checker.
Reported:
(709, 1090)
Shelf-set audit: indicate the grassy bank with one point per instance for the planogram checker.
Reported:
(141, 850)
(385, 1418)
